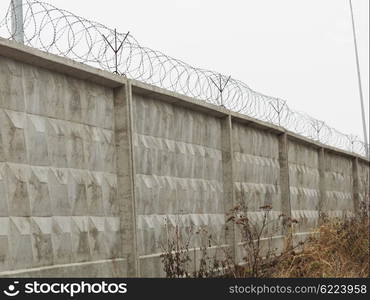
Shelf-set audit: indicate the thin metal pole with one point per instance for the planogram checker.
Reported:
(17, 21)
(221, 91)
(115, 49)
(220, 87)
(359, 82)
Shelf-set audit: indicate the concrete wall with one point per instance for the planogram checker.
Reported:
(96, 169)
(257, 178)
(58, 183)
(304, 179)
(364, 180)
(339, 185)
(178, 175)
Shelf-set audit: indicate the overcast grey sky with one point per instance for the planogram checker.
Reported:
(297, 50)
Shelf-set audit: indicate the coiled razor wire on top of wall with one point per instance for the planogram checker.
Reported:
(62, 33)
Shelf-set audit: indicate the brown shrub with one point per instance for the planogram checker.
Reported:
(338, 248)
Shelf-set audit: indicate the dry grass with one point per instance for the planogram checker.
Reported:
(339, 248)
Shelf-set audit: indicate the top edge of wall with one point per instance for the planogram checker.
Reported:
(38, 58)
(32, 56)
(330, 149)
(161, 94)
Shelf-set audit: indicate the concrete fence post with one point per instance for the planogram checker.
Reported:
(356, 186)
(285, 184)
(125, 176)
(228, 180)
(322, 183)
(17, 21)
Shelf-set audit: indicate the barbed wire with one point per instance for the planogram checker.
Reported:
(60, 32)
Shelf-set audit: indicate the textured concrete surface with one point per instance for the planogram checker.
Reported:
(92, 269)
(229, 195)
(178, 175)
(304, 185)
(364, 181)
(257, 178)
(58, 198)
(125, 176)
(285, 197)
(96, 170)
(338, 185)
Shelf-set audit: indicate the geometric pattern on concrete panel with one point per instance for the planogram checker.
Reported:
(94, 108)
(108, 151)
(17, 186)
(43, 92)
(98, 246)
(80, 239)
(62, 240)
(104, 109)
(58, 187)
(99, 109)
(75, 146)
(109, 195)
(75, 100)
(39, 192)
(148, 236)
(106, 106)
(167, 192)
(4, 209)
(94, 149)
(12, 126)
(77, 192)
(257, 180)
(112, 237)
(41, 241)
(175, 176)
(2, 150)
(36, 89)
(21, 254)
(304, 180)
(11, 93)
(57, 142)
(94, 194)
(4, 243)
(183, 194)
(339, 184)
(37, 141)
(178, 170)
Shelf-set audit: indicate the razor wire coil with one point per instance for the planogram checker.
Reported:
(60, 32)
